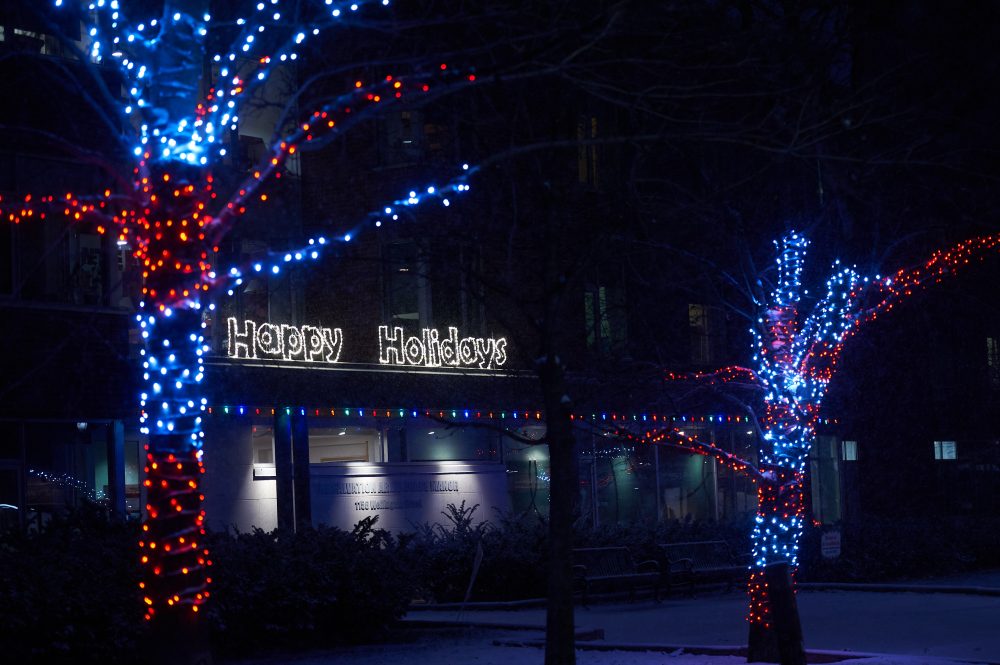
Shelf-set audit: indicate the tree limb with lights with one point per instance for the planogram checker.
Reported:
(176, 117)
(796, 356)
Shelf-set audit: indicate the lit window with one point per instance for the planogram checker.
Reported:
(344, 444)
(944, 450)
(849, 451)
(263, 445)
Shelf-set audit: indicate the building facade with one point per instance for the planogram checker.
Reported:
(398, 376)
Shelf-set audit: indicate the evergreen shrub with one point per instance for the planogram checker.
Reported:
(316, 587)
(69, 593)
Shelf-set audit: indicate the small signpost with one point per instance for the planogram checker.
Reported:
(829, 544)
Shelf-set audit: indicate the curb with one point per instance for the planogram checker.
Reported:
(812, 655)
(678, 649)
(481, 605)
(899, 588)
(581, 634)
(591, 639)
(804, 586)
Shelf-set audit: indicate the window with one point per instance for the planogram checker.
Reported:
(6, 257)
(993, 361)
(402, 138)
(344, 444)
(36, 22)
(262, 440)
(586, 129)
(87, 272)
(604, 311)
(41, 261)
(427, 441)
(408, 295)
(849, 451)
(825, 476)
(944, 450)
(707, 330)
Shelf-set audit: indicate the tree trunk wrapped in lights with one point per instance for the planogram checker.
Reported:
(175, 221)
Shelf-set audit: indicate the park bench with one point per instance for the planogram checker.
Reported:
(704, 562)
(610, 568)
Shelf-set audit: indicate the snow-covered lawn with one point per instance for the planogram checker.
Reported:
(478, 648)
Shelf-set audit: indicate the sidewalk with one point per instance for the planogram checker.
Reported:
(915, 623)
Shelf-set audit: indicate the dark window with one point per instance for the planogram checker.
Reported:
(6, 256)
(428, 441)
(87, 271)
(993, 362)
(604, 311)
(587, 166)
(401, 138)
(408, 294)
(708, 334)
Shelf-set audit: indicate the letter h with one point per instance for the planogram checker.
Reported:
(241, 344)
(390, 348)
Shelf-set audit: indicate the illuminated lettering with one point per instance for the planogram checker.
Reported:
(284, 342)
(242, 344)
(429, 349)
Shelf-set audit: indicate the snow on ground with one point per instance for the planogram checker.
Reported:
(960, 626)
(478, 648)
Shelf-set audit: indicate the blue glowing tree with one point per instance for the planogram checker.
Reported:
(176, 116)
(796, 354)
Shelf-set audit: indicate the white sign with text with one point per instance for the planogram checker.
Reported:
(404, 496)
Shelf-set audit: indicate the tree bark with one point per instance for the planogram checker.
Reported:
(179, 638)
(560, 648)
(785, 614)
(775, 632)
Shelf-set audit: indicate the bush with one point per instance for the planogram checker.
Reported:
(515, 559)
(882, 549)
(515, 550)
(314, 587)
(70, 593)
(443, 556)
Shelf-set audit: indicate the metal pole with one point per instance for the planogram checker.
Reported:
(656, 466)
(595, 521)
(115, 443)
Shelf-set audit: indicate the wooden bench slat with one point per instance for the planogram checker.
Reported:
(708, 560)
(612, 566)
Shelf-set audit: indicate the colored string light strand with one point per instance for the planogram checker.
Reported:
(675, 438)
(176, 566)
(70, 482)
(332, 120)
(257, 48)
(728, 374)
(797, 358)
(314, 247)
(174, 220)
(186, 137)
(470, 413)
(100, 212)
